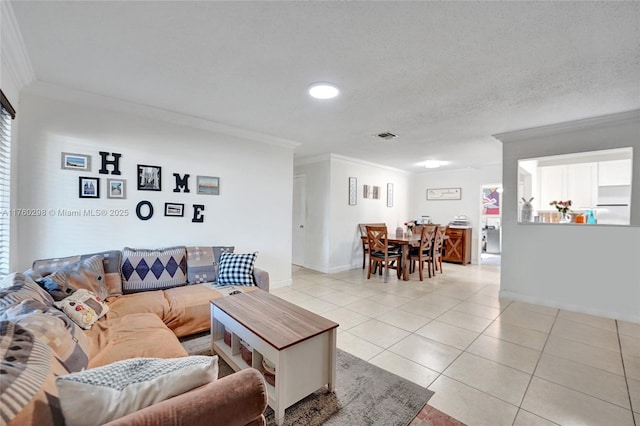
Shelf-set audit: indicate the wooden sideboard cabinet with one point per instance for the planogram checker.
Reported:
(457, 248)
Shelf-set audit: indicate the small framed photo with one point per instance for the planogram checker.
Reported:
(208, 185)
(389, 195)
(174, 209)
(117, 188)
(353, 191)
(69, 161)
(88, 187)
(149, 178)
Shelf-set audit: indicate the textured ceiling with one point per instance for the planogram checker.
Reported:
(444, 76)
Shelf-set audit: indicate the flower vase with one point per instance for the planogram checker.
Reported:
(566, 218)
(409, 232)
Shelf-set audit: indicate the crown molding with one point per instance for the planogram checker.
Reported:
(552, 129)
(14, 53)
(332, 156)
(58, 92)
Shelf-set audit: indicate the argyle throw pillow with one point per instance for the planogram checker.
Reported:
(236, 269)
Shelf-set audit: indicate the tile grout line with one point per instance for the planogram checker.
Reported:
(524, 395)
(624, 371)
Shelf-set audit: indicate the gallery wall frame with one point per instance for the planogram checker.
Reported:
(353, 191)
(80, 162)
(174, 209)
(208, 185)
(88, 187)
(149, 178)
(437, 194)
(117, 188)
(389, 195)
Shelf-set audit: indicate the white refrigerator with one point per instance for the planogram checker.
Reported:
(613, 207)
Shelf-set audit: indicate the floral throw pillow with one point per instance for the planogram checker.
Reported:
(83, 307)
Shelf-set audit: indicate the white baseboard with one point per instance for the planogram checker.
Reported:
(278, 284)
(343, 268)
(569, 306)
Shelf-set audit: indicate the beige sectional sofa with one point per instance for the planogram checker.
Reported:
(139, 324)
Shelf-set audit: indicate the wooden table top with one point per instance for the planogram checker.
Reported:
(275, 320)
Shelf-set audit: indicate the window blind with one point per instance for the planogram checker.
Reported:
(6, 114)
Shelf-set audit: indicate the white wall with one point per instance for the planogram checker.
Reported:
(252, 212)
(332, 237)
(346, 248)
(443, 212)
(593, 269)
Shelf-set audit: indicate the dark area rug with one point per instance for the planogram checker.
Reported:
(364, 395)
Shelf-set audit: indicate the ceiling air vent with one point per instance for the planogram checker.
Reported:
(386, 136)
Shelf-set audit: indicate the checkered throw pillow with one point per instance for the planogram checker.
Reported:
(236, 269)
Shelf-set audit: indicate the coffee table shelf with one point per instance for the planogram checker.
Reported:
(301, 344)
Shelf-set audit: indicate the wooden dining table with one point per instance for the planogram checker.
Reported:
(405, 242)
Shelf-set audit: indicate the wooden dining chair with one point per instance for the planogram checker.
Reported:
(363, 239)
(438, 248)
(424, 252)
(379, 252)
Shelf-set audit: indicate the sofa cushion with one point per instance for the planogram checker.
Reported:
(111, 261)
(83, 307)
(138, 303)
(144, 269)
(236, 269)
(99, 395)
(131, 336)
(29, 395)
(54, 329)
(87, 274)
(202, 263)
(16, 287)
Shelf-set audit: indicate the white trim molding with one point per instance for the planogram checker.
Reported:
(14, 53)
(58, 92)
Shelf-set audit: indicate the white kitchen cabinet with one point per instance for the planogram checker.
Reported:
(575, 182)
(615, 172)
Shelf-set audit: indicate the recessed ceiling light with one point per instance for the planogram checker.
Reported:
(323, 90)
(432, 164)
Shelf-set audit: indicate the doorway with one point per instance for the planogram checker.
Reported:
(491, 225)
(298, 232)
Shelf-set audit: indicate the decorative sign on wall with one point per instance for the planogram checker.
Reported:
(353, 191)
(149, 178)
(389, 195)
(71, 161)
(444, 194)
(369, 191)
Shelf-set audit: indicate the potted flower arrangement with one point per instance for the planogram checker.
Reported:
(564, 207)
(410, 226)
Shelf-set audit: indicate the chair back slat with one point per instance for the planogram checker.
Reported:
(377, 237)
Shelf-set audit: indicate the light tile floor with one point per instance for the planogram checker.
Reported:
(490, 361)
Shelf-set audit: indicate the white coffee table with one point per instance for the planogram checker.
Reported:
(300, 343)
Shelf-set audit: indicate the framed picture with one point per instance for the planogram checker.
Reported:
(174, 209)
(366, 191)
(208, 185)
(389, 195)
(88, 187)
(149, 178)
(117, 188)
(69, 161)
(353, 191)
(490, 201)
(376, 193)
(444, 194)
